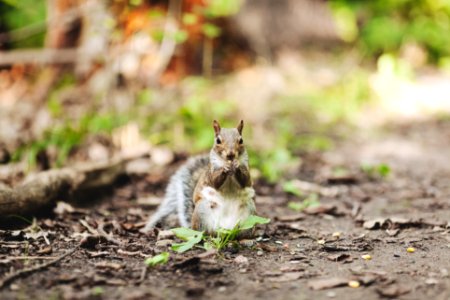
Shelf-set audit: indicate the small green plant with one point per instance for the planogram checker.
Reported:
(381, 170)
(97, 291)
(222, 238)
(189, 236)
(291, 188)
(311, 201)
(159, 259)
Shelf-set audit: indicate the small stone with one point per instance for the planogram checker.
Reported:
(166, 235)
(321, 242)
(247, 243)
(337, 234)
(241, 260)
(353, 284)
(259, 253)
(331, 294)
(279, 242)
(222, 289)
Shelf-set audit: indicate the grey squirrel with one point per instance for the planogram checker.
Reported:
(211, 191)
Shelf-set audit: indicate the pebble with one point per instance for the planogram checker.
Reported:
(247, 243)
(241, 260)
(331, 294)
(259, 253)
(166, 235)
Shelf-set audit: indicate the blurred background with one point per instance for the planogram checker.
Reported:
(84, 80)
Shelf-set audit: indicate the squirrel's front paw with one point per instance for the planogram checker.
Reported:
(228, 168)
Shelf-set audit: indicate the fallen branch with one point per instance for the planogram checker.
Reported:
(14, 275)
(46, 187)
(38, 56)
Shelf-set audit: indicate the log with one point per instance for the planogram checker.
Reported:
(45, 188)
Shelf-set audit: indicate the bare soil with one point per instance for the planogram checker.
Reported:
(313, 254)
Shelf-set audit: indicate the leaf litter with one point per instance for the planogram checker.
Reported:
(283, 259)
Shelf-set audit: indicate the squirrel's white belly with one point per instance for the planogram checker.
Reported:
(224, 210)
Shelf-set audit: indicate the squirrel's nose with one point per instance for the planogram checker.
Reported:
(231, 155)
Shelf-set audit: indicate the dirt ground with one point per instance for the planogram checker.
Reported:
(359, 235)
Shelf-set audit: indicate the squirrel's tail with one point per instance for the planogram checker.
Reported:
(179, 193)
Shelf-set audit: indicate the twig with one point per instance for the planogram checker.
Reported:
(30, 257)
(107, 236)
(100, 232)
(89, 228)
(143, 274)
(132, 253)
(39, 56)
(14, 275)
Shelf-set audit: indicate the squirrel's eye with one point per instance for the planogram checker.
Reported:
(241, 141)
(218, 141)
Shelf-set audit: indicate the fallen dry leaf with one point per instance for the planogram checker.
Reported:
(290, 218)
(321, 209)
(340, 257)
(327, 283)
(393, 290)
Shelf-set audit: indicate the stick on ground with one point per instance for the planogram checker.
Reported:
(24, 272)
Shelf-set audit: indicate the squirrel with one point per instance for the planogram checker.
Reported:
(211, 191)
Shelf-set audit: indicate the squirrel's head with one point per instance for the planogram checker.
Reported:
(228, 142)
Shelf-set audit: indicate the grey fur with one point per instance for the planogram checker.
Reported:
(179, 193)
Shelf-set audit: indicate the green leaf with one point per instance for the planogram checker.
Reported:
(186, 233)
(252, 221)
(291, 187)
(208, 246)
(384, 170)
(189, 244)
(97, 291)
(311, 201)
(189, 19)
(180, 36)
(211, 30)
(159, 259)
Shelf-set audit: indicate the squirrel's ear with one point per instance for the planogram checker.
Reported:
(216, 126)
(240, 126)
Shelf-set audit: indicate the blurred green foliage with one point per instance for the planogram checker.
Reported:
(381, 26)
(15, 14)
(312, 200)
(183, 122)
(65, 137)
(381, 170)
